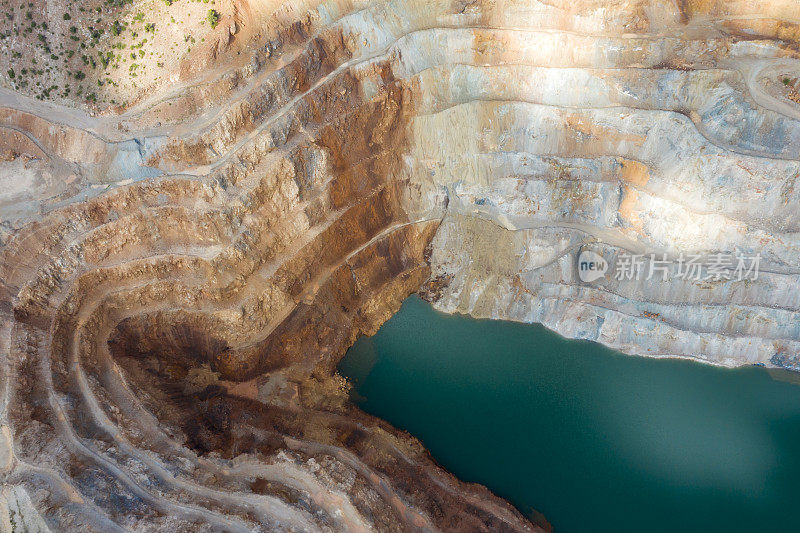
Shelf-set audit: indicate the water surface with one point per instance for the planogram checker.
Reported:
(593, 439)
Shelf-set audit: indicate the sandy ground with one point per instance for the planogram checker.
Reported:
(100, 54)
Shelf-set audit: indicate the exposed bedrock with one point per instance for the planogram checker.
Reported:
(180, 280)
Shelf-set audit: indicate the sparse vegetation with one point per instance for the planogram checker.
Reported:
(105, 35)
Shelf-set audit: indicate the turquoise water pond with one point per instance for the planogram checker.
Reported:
(593, 439)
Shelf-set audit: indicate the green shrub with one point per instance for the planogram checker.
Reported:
(117, 28)
(213, 18)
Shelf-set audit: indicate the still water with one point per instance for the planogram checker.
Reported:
(593, 439)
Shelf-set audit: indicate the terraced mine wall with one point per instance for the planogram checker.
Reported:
(180, 278)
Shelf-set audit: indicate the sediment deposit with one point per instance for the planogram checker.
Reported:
(181, 275)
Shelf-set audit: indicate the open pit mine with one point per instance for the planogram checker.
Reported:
(188, 247)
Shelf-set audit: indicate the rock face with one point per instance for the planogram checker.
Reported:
(180, 279)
